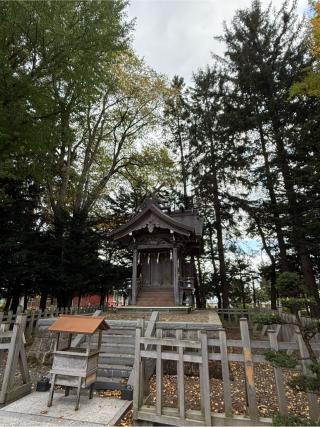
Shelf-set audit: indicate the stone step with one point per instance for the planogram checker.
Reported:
(116, 359)
(103, 383)
(151, 308)
(151, 304)
(117, 348)
(114, 371)
(113, 339)
(119, 331)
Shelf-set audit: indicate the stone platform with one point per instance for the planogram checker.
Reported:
(32, 410)
(146, 309)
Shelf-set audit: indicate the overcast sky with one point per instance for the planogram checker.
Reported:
(176, 36)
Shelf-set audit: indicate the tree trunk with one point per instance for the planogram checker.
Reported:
(25, 301)
(273, 290)
(201, 294)
(62, 300)
(43, 300)
(273, 203)
(15, 299)
(197, 294)
(218, 226)
(212, 254)
(8, 302)
(102, 297)
(298, 234)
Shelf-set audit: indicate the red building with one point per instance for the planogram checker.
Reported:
(88, 300)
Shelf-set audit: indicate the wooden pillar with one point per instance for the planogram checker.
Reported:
(175, 275)
(134, 276)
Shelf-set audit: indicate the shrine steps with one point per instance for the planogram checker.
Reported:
(144, 310)
(150, 296)
(116, 357)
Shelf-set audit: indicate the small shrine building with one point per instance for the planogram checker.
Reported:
(163, 245)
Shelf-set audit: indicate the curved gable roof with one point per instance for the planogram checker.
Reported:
(152, 212)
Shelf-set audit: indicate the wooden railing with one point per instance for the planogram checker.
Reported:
(231, 316)
(12, 342)
(32, 317)
(286, 331)
(200, 351)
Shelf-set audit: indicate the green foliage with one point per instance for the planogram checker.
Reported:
(305, 383)
(267, 319)
(289, 284)
(294, 304)
(292, 420)
(280, 359)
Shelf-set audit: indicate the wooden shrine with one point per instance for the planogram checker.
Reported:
(75, 367)
(163, 245)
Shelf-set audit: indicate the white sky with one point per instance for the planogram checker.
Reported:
(176, 36)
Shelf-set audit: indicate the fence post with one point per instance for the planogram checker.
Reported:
(137, 368)
(225, 373)
(31, 323)
(1, 319)
(278, 375)
(248, 366)
(9, 319)
(305, 358)
(204, 366)
(159, 374)
(180, 378)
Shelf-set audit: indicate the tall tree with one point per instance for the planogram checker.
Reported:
(178, 139)
(211, 151)
(265, 54)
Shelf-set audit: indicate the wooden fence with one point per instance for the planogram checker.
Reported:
(200, 351)
(7, 320)
(286, 332)
(231, 316)
(12, 342)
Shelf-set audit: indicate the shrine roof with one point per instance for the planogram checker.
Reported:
(151, 216)
(78, 324)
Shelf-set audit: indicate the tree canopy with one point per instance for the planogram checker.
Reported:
(88, 130)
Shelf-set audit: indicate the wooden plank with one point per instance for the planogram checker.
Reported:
(305, 360)
(249, 373)
(167, 420)
(7, 334)
(18, 392)
(238, 343)
(4, 346)
(137, 368)
(278, 375)
(159, 375)
(225, 373)
(141, 325)
(205, 379)
(187, 326)
(235, 357)
(8, 369)
(194, 358)
(125, 407)
(217, 419)
(171, 342)
(180, 378)
(9, 320)
(151, 326)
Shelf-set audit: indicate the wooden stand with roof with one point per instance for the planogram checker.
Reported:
(163, 246)
(75, 367)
